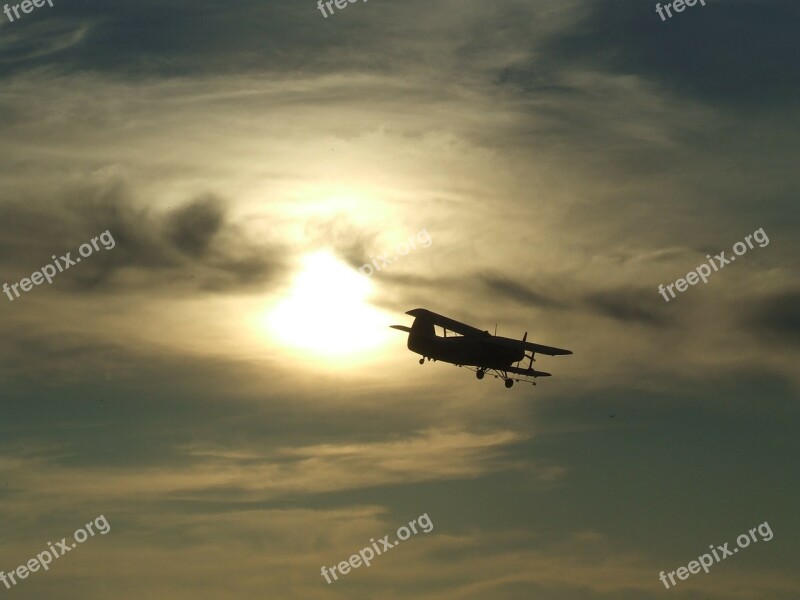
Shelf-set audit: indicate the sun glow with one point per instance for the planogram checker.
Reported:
(326, 311)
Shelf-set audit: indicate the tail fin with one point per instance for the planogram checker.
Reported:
(423, 326)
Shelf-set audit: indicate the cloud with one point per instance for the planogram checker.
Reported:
(195, 246)
(251, 474)
(192, 227)
(745, 62)
(775, 317)
(566, 158)
(502, 286)
(630, 305)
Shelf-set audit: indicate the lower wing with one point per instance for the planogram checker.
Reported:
(527, 372)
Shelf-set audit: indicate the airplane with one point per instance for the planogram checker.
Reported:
(477, 350)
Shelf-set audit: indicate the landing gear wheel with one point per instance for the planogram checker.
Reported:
(509, 383)
(422, 361)
(479, 374)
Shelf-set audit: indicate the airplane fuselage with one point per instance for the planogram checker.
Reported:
(468, 351)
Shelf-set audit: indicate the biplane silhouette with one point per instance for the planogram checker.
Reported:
(478, 350)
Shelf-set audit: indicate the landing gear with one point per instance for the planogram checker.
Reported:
(422, 360)
(509, 382)
(479, 374)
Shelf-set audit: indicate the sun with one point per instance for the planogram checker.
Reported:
(326, 311)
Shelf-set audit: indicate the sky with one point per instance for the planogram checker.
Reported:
(217, 378)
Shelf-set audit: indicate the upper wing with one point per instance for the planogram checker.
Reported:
(548, 350)
(536, 348)
(447, 323)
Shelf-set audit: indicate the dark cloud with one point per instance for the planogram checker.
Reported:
(194, 246)
(776, 317)
(629, 305)
(351, 243)
(725, 52)
(193, 227)
(502, 286)
(174, 38)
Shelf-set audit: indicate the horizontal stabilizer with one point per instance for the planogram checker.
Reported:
(401, 328)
